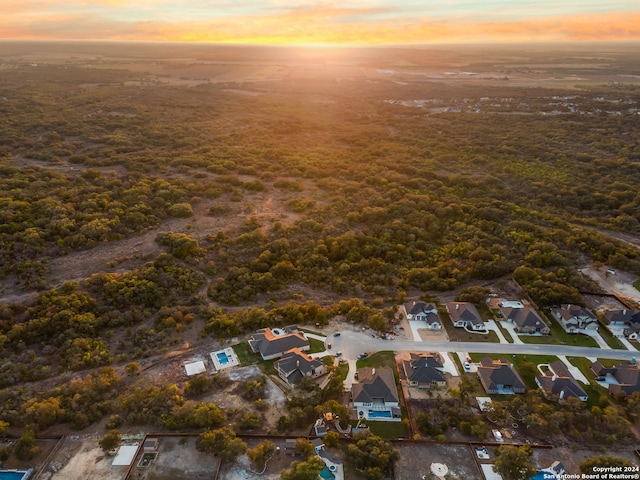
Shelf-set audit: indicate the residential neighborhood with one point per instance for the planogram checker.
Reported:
(394, 380)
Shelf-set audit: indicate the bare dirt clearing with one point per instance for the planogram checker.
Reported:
(620, 283)
(416, 459)
(178, 459)
(81, 457)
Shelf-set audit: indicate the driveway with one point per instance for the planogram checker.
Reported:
(617, 331)
(416, 325)
(449, 366)
(491, 325)
(597, 337)
(473, 367)
(512, 331)
(575, 371)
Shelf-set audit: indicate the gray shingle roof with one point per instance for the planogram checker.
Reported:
(524, 317)
(569, 311)
(559, 381)
(423, 369)
(265, 342)
(493, 373)
(463, 311)
(375, 383)
(295, 364)
(421, 307)
(622, 316)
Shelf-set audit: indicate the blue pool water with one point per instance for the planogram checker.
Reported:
(541, 476)
(4, 475)
(326, 474)
(379, 414)
(222, 358)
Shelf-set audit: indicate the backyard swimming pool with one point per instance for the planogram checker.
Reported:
(222, 358)
(14, 474)
(326, 473)
(379, 414)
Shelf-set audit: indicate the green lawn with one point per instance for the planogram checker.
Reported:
(316, 346)
(594, 390)
(525, 364)
(386, 430)
(612, 341)
(380, 359)
(505, 332)
(560, 337)
(343, 371)
(245, 355)
(461, 335)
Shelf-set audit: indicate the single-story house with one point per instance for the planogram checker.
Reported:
(465, 315)
(629, 319)
(424, 370)
(272, 343)
(375, 396)
(626, 377)
(499, 377)
(574, 318)
(557, 382)
(525, 320)
(295, 364)
(423, 312)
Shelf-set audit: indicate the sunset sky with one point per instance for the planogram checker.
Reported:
(322, 21)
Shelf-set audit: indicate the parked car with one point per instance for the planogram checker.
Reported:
(338, 354)
(337, 334)
(467, 366)
(363, 355)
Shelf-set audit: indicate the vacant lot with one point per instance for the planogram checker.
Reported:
(178, 459)
(81, 457)
(415, 462)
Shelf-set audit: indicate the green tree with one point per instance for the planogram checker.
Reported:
(331, 439)
(303, 447)
(378, 322)
(370, 451)
(223, 442)
(261, 454)
(473, 294)
(181, 210)
(43, 413)
(198, 385)
(513, 463)
(587, 465)
(307, 470)
(26, 447)
(110, 441)
(132, 369)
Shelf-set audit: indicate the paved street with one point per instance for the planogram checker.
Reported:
(349, 344)
(352, 343)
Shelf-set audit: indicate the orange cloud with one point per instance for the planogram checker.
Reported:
(329, 24)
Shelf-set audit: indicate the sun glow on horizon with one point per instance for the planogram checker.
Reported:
(321, 22)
